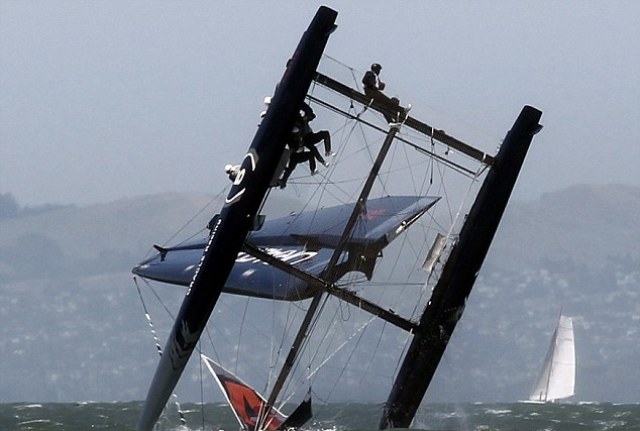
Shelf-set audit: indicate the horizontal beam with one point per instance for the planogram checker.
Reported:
(448, 162)
(410, 122)
(332, 289)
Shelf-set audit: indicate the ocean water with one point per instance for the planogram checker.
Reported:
(333, 417)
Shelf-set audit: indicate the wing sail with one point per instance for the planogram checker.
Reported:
(305, 241)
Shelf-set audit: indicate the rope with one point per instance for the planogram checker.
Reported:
(344, 343)
(455, 166)
(188, 222)
(320, 352)
(147, 315)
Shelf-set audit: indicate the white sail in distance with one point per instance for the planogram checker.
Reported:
(558, 375)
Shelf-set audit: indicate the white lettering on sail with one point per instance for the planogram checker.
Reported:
(292, 256)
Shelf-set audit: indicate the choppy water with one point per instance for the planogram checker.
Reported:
(335, 417)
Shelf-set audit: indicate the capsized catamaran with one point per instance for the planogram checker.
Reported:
(558, 375)
(363, 258)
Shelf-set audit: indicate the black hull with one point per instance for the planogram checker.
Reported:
(237, 216)
(459, 274)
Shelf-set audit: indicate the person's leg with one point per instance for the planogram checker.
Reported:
(310, 142)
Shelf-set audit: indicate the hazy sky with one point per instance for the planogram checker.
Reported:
(103, 100)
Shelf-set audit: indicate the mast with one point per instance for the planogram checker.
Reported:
(447, 302)
(238, 213)
(331, 268)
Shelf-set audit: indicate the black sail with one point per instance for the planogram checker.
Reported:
(459, 274)
(230, 229)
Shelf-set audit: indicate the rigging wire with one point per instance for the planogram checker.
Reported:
(304, 346)
(354, 127)
(275, 354)
(453, 165)
(195, 216)
(359, 333)
(381, 179)
(157, 296)
(156, 339)
(244, 315)
(201, 385)
(369, 364)
(431, 171)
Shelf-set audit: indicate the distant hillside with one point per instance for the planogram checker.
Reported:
(72, 326)
(584, 224)
(9, 208)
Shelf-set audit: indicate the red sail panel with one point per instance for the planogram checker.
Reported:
(247, 404)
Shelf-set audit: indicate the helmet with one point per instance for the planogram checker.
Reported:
(376, 67)
(228, 168)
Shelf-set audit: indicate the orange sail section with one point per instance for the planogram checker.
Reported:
(246, 403)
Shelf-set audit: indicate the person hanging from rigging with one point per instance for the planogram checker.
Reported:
(373, 88)
(303, 145)
(298, 155)
(310, 139)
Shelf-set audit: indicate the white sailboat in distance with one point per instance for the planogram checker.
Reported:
(558, 375)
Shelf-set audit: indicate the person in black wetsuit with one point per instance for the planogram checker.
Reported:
(373, 89)
(303, 146)
(310, 139)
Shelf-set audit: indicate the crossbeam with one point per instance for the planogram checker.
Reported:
(410, 122)
(456, 166)
(332, 289)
